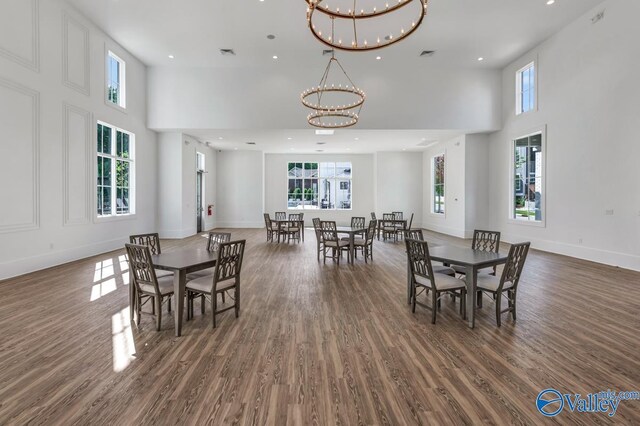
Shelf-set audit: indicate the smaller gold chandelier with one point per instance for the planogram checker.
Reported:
(334, 106)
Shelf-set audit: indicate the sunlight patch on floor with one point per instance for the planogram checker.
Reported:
(124, 348)
(104, 269)
(103, 288)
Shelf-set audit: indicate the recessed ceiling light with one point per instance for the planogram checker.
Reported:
(378, 57)
(404, 149)
(291, 149)
(171, 56)
(480, 59)
(550, 2)
(235, 149)
(289, 139)
(348, 149)
(275, 57)
(356, 139)
(324, 131)
(219, 138)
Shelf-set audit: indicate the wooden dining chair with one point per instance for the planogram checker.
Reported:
(483, 241)
(331, 241)
(213, 244)
(416, 234)
(388, 226)
(149, 287)
(423, 278)
(226, 278)
(281, 215)
(291, 229)
(373, 217)
(318, 230)
(153, 242)
(272, 228)
(507, 283)
(403, 227)
(357, 222)
(366, 244)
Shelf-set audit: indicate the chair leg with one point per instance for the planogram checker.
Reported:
(513, 304)
(237, 297)
(413, 297)
(434, 307)
(138, 309)
(214, 307)
(498, 304)
(169, 304)
(463, 303)
(479, 299)
(158, 305)
(202, 304)
(224, 300)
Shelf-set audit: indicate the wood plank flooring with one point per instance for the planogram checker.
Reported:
(315, 344)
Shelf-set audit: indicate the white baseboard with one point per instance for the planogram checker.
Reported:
(239, 224)
(454, 232)
(58, 257)
(621, 260)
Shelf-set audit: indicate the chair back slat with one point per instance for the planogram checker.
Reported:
(373, 216)
(358, 222)
(515, 264)
(317, 228)
(150, 240)
(371, 231)
(217, 238)
(281, 215)
(295, 216)
(414, 234)
(267, 220)
(329, 230)
(486, 241)
(141, 267)
(410, 222)
(229, 262)
(397, 215)
(419, 260)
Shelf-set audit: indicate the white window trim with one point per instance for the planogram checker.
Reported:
(543, 199)
(433, 194)
(334, 179)
(132, 215)
(123, 82)
(533, 63)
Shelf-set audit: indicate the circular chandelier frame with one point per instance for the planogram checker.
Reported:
(353, 15)
(347, 118)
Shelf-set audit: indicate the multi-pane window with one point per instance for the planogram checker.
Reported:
(525, 89)
(438, 184)
(528, 178)
(319, 185)
(115, 171)
(116, 80)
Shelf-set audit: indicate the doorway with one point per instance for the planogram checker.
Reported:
(200, 172)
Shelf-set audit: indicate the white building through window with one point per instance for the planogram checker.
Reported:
(116, 80)
(526, 89)
(437, 195)
(313, 186)
(528, 175)
(115, 172)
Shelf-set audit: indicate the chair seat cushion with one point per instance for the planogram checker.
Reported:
(443, 282)
(205, 284)
(165, 284)
(355, 238)
(202, 273)
(440, 269)
(491, 283)
(162, 273)
(339, 243)
(462, 270)
(291, 229)
(389, 228)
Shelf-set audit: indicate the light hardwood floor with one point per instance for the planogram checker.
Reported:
(315, 344)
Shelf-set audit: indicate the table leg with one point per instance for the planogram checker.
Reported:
(279, 230)
(471, 278)
(179, 282)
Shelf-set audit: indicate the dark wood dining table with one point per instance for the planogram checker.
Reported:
(472, 260)
(352, 232)
(182, 262)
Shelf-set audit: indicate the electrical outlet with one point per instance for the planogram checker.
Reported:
(608, 212)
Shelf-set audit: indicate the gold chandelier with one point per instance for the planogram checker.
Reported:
(340, 112)
(355, 29)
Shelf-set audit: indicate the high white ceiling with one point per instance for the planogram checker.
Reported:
(193, 31)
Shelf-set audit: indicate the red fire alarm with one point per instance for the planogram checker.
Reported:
(209, 209)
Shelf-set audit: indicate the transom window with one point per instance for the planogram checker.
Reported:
(437, 167)
(116, 93)
(115, 171)
(313, 186)
(528, 174)
(525, 89)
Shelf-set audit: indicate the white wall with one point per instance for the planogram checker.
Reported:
(52, 79)
(177, 184)
(240, 189)
(453, 221)
(399, 184)
(232, 98)
(588, 101)
(477, 188)
(276, 185)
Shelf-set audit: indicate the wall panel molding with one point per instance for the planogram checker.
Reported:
(70, 23)
(31, 62)
(34, 98)
(76, 175)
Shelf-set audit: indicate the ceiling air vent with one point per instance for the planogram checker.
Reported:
(427, 53)
(251, 143)
(227, 52)
(326, 52)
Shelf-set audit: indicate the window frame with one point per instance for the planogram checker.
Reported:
(319, 178)
(534, 91)
(115, 216)
(542, 131)
(121, 105)
(432, 210)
